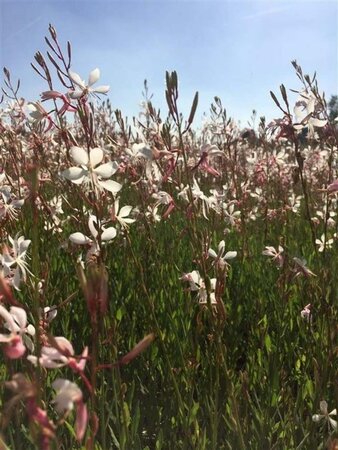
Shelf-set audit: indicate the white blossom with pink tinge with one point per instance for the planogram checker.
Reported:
(89, 172)
(82, 89)
(221, 257)
(15, 321)
(68, 395)
(59, 355)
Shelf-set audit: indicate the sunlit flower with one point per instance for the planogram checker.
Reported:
(305, 112)
(152, 213)
(107, 234)
(82, 89)
(121, 215)
(37, 114)
(89, 171)
(14, 260)
(48, 313)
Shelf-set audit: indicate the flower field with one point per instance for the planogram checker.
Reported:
(165, 285)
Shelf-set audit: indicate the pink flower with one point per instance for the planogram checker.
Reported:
(16, 323)
(208, 151)
(60, 354)
(53, 95)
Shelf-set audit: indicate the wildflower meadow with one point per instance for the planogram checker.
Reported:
(166, 285)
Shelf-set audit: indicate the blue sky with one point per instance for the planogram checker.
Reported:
(237, 50)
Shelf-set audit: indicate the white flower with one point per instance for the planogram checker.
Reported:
(220, 257)
(37, 115)
(82, 88)
(89, 171)
(14, 262)
(9, 205)
(107, 234)
(68, 393)
(197, 284)
(121, 215)
(326, 415)
(231, 215)
(152, 213)
(305, 110)
(274, 254)
(324, 244)
(162, 198)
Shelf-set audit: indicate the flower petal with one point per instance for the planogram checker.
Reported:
(79, 155)
(108, 234)
(79, 238)
(64, 346)
(212, 253)
(317, 417)
(92, 221)
(8, 318)
(81, 420)
(74, 95)
(110, 185)
(93, 76)
(74, 174)
(333, 423)
(95, 156)
(19, 315)
(318, 122)
(125, 211)
(23, 245)
(323, 407)
(101, 89)
(75, 77)
(106, 170)
(230, 255)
